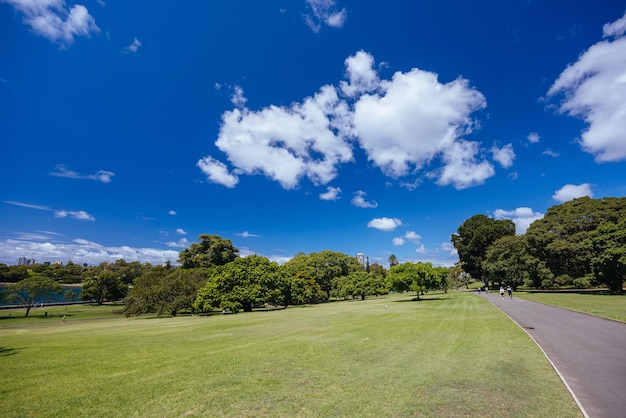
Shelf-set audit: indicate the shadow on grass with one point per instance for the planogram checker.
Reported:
(7, 351)
(421, 299)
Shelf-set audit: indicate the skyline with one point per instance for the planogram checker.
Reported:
(287, 127)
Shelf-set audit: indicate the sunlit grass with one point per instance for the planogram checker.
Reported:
(603, 305)
(448, 355)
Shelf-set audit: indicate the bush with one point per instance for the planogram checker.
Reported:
(582, 283)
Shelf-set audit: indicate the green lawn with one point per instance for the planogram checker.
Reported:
(448, 355)
(603, 305)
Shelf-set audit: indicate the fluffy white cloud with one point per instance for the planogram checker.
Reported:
(61, 170)
(398, 241)
(80, 215)
(572, 191)
(181, 231)
(54, 21)
(533, 137)
(521, 217)
(172, 212)
(359, 200)
(332, 193)
(402, 124)
(413, 119)
(246, 234)
(505, 155)
(286, 144)
(324, 12)
(80, 251)
(594, 90)
(461, 168)
(181, 243)
(133, 47)
(384, 224)
(217, 172)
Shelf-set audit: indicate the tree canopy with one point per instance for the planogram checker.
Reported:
(28, 291)
(211, 251)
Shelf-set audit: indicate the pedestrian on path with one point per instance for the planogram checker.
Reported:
(502, 292)
(510, 292)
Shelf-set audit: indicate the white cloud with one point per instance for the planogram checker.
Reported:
(402, 124)
(398, 241)
(79, 251)
(181, 231)
(505, 155)
(594, 90)
(238, 98)
(181, 243)
(172, 212)
(360, 71)
(461, 169)
(521, 217)
(332, 193)
(324, 12)
(246, 234)
(551, 153)
(61, 170)
(421, 249)
(413, 236)
(287, 144)
(359, 200)
(217, 172)
(80, 215)
(133, 47)
(533, 137)
(384, 224)
(572, 191)
(54, 21)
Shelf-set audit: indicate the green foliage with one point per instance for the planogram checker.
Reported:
(211, 251)
(304, 289)
(243, 284)
(417, 277)
(507, 261)
(105, 285)
(359, 284)
(473, 239)
(162, 290)
(323, 267)
(30, 290)
(608, 252)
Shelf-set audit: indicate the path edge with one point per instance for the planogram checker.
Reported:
(567, 386)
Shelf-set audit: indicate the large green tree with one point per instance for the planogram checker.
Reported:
(211, 251)
(559, 239)
(162, 290)
(243, 284)
(34, 289)
(417, 277)
(507, 261)
(473, 239)
(104, 285)
(359, 284)
(323, 267)
(608, 254)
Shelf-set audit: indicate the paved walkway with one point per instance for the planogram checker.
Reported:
(588, 352)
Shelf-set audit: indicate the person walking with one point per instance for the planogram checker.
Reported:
(510, 292)
(502, 292)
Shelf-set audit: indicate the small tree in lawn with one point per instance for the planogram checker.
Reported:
(32, 289)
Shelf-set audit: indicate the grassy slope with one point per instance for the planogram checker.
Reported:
(448, 355)
(603, 305)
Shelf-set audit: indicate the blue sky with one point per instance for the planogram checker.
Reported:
(130, 128)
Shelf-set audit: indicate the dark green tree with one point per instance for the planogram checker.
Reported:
(211, 251)
(243, 284)
(34, 289)
(608, 254)
(508, 261)
(304, 289)
(359, 284)
(474, 237)
(106, 285)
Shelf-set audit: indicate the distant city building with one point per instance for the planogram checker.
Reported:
(23, 261)
(361, 258)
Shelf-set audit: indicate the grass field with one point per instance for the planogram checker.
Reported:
(448, 355)
(603, 305)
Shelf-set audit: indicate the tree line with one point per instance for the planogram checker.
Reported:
(580, 243)
(211, 276)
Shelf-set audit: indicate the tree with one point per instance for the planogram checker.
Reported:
(559, 239)
(106, 285)
(211, 251)
(161, 290)
(393, 261)
(507, 261)
(36, 288)
(608, 252)
(243, 284)
(323, 267)
(304, 289)
(359, 284)
(474, 237)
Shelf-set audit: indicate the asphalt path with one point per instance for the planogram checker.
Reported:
(589, 353)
